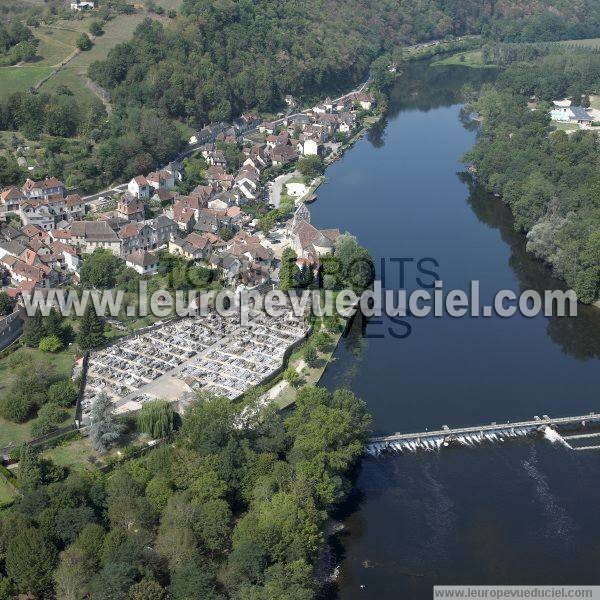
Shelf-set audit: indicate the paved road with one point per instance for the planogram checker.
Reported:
(276, 187)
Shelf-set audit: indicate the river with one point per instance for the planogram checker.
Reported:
(519, 512)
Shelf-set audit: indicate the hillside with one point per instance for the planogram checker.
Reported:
(224, 57)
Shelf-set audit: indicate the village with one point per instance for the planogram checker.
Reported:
(47, 230)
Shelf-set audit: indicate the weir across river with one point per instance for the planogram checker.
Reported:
(550, 427)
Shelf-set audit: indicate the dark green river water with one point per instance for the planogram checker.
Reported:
(518, 512)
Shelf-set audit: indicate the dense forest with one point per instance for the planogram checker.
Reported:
(224, 57)
(216, 512)
(550, 179)
(547, 26)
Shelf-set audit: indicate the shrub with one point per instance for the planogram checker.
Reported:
(83, 42)
(96, 28)
(16, 405)
(321, 340)
(50, 416)
(62, 393)
(50, 343)
(310, 355)
(291, 376)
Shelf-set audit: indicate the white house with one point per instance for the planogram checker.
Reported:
(248, 187)
(161, 180)
(32, 213)
(142, 262)
(218, 204)
(310, 147)
(570, 114)
(366, 101)
(139, 187)
(81, 5)
(72, 261)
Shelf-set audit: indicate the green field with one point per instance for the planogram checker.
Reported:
(71, 80)
(73, 455)
(55, 45)
(588, 43)
(57, 42)
(7, 491)
(565, 126)
(21, 432)
(73, 75)
(20, 79)
(472, 59)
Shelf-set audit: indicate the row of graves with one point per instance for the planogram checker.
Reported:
(212, 353)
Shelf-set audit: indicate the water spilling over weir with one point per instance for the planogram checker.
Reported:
(430, 441)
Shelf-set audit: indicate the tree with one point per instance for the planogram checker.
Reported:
(288, 271)
(29, 389)
(83, 42)
(30, 472)
(291, 376)
(96, 28)
(6, 304)
(73, 574)
(70, 521)
(190, 581)
(310, 355)
(24, 51)
(156, 419)
(130, 513)
(158, 492)
(100, 269)
(16, 405)
(226, 233)
(321, 340)
(90, 541)
(147, 589)
(104, 428)
(208, 425)
(62, 393)
(54, 325)
(91, 329)
(587, 284)
(247, 561)
(114, 581)
(50, 343)
(177, 544)
(267, 221)
(311, 166)
(33, 330)
(30, 559)
(212, 524)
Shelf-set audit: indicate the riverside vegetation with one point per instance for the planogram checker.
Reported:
(215, 512)
(550, 179)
